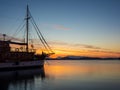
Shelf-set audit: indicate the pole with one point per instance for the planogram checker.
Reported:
(27, 28)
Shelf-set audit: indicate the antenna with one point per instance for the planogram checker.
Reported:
(4, 35)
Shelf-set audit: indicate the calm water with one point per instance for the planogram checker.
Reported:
(65, 75)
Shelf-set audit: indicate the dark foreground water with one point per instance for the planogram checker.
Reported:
(65, 75)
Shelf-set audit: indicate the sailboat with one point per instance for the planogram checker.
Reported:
(23, 57)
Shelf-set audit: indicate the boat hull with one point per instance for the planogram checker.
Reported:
(21, 65)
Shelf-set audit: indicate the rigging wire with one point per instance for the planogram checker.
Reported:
(20, 29)
(40, 37)
(38, 31)
(33, 36)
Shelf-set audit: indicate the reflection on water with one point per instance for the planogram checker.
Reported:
(20, 79)
(65, 75)
(83, 75)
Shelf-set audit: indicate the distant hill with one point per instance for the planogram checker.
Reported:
(82, 58)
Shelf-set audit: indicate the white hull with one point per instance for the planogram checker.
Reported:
(22, 64)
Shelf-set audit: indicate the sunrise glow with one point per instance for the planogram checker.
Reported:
(77, 28)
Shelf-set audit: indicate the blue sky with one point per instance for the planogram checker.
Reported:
(90, 22)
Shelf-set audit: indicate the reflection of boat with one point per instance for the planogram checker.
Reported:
(23, 57)
(20, 77)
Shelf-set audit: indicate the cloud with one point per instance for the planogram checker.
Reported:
(58, 43)
(82, 49)
(85, 46)
(103, 51)
(56, 26)
(61, 27)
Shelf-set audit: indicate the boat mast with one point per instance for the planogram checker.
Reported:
(27, 27)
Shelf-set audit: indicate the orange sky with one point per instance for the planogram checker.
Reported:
(64, 49)
(79, 28)
(85, 53)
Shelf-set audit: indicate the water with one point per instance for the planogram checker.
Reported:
(65, 75)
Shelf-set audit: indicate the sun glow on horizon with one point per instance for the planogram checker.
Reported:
(80, 28)
(88, 53)
(63, 49)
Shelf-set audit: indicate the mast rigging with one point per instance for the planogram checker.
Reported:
(30, 20)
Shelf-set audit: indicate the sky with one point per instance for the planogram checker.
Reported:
(71, 27)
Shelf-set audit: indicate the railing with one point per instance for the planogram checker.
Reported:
(21, 50)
